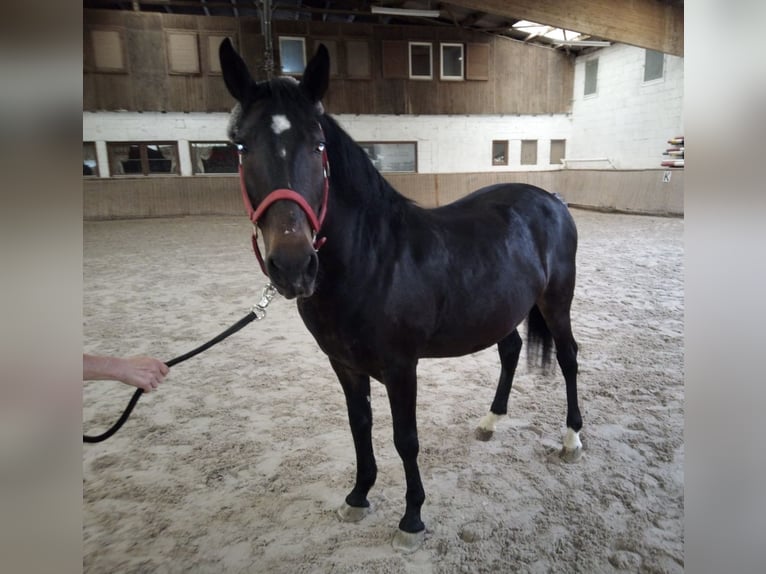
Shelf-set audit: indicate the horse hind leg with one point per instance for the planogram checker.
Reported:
(566, 354)
(555, 311)
(509, 349)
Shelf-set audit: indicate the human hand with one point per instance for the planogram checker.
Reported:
(145, 373)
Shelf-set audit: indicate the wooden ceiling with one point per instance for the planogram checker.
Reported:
(652, 24)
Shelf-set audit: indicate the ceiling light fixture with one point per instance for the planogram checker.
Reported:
(404, 12)
(583, 43)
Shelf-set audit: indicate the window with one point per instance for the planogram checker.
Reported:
(137, 158)
(214, 157)
(654, 65)
(451, 61)
(558, 151)
(358, 59)
(183, 53)
(420, 61)
(213, 61)
(528, 152)
(477, 62)
(332, 49)
(591, 76)
(108, 50)
(392, 156)
(500, 152)
(395, 60)
(89, 160)
(292, 54)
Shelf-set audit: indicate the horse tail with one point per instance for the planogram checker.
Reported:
(539, 339)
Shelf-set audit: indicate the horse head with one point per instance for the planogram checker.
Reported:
(283, 165)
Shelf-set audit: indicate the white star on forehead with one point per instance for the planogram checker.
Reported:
(279, 124)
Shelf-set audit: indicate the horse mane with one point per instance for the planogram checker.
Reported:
(354, 178)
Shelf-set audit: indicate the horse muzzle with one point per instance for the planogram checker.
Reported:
(290, 255)
(293, 270)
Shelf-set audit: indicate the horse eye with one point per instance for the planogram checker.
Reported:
(320, 147)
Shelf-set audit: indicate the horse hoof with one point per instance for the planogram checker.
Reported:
(483, 434)
(348, 513)
(407, 542)
(486, 427)
(570, 454)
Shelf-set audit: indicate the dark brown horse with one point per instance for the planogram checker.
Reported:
(394, 282)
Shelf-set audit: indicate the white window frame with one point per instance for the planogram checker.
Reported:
(196, 159)
(529, 146)
(661, 77)
(286, 39)
(585, 79)
(430, 75)
(442, 75)
(376, 152)
(108, 46)
(115, 160)
(95, 167)
(500, 162)
(183, 53)
(553, 144)
(212, 43)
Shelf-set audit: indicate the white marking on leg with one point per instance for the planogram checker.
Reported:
(489, 422)
(348, 513)
(572, 440)
(407, 542)
(279, 124)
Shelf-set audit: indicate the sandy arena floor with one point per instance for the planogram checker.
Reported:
(239, 461)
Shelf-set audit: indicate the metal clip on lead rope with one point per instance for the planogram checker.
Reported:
(259, 309)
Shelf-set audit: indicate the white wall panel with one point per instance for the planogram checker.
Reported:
(627, 120)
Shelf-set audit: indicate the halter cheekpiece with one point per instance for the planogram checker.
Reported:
(283, 193)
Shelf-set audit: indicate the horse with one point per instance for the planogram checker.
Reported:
(381, 282)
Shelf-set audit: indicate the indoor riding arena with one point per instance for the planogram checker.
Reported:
(241, 459)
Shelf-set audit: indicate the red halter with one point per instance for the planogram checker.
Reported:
(289, 194)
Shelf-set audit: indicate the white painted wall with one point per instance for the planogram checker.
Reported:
(459, 144)
(445, 144)
(102, 127)
(627, 120)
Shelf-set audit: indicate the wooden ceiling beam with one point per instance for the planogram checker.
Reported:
(653, 24)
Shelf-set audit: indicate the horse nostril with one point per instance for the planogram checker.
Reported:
(313, 265)
(273, 266)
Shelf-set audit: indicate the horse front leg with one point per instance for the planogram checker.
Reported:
(356, 387)
(401, 385)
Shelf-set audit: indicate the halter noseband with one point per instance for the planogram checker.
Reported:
(288, 194)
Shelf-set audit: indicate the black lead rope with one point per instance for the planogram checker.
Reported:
(257, 313)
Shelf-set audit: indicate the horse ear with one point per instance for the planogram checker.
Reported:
(235, 73)
(316, 76)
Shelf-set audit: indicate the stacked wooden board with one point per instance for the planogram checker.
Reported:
(675, 153)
